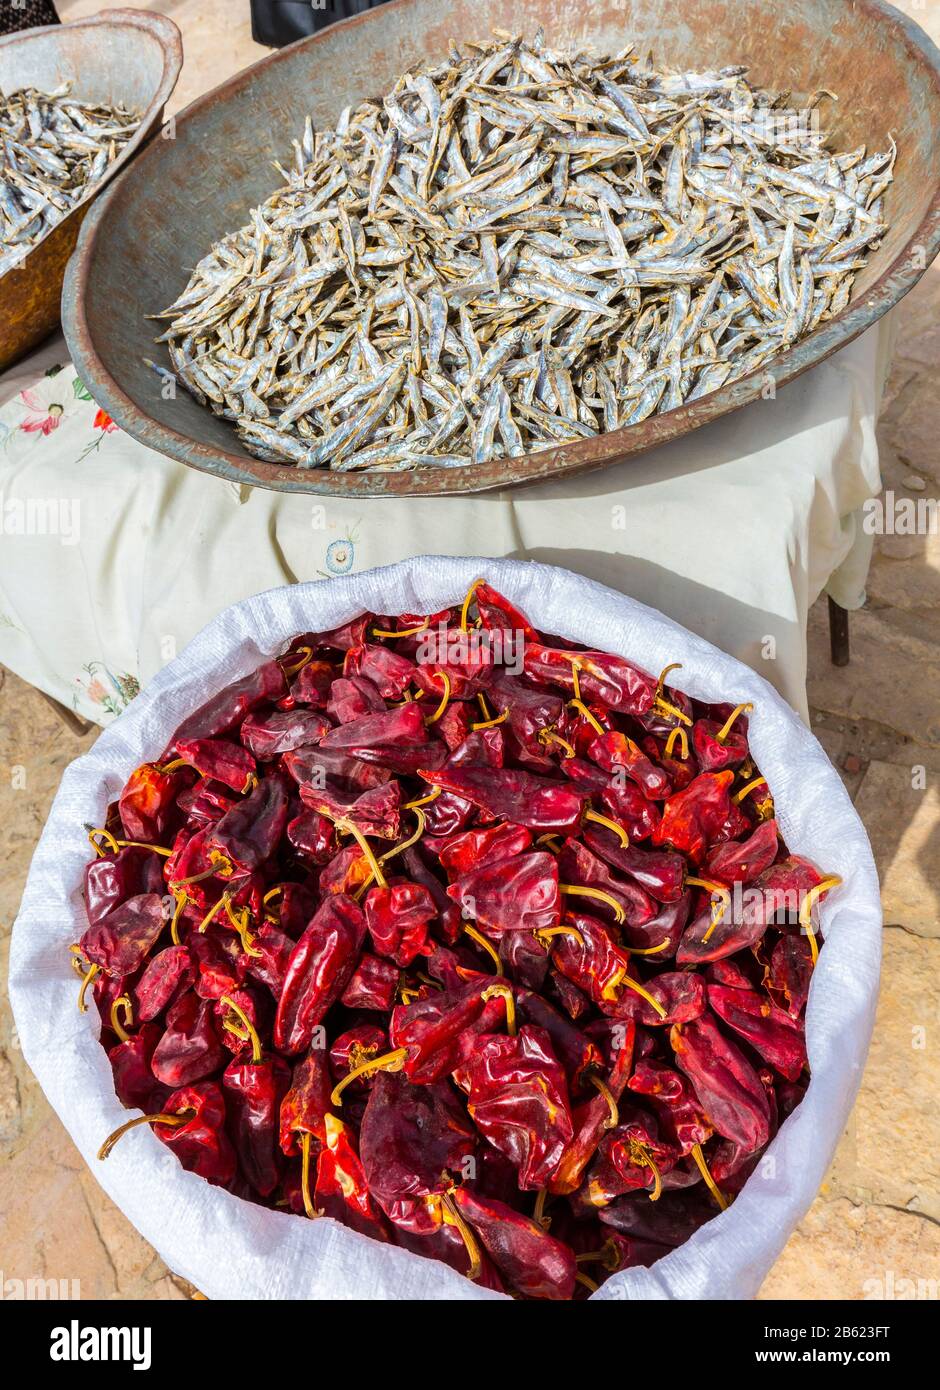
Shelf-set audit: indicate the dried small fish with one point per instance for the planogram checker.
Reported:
(53, 150)
(516, 248)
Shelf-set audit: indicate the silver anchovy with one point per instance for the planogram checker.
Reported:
(510, 250)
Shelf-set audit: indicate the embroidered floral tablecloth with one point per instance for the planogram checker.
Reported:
(112, 556)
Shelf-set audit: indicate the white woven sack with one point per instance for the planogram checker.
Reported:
(233, 1249)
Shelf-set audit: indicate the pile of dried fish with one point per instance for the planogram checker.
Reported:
(53, 148)
(517, 248)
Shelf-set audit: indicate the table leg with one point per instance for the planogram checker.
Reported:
(69, 718)
(838, 633)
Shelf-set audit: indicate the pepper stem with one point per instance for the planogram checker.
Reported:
(550, 736)
(613, 1119)
(613, 825)
(445, 700)
(680, 734)
(87, 978)
(211, 913)
(389, 1061)
(709, 1180)
(347, 827)
(505, 990)
(309, 1208)
(105, 834)
(484, 945)
(589, 1284)
(664, 706)
(240, 923)
(578, 890)
(465, 610)
(624, 979)
(406, 844)
(725, 729)
(575, 676)
(647, 950)
(180, 902)
(806, 911)
(606, 1256)
(432, 795)
(719, 908)
(402, 631)
(122, 1005)
(585, 713)
(466, 1235)
(239, 1013)
(173, 765)
(746, 790)
(640, 1152)
(291, 668)
(538, 1211)
(548, 932)
(492, 722)
(182, 1117)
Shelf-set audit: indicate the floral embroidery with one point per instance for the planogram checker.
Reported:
(112, 692)
(103, 421)
(45, 407)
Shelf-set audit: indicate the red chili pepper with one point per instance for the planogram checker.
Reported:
(692, 818)
(727, 1086)
(254, 1090)
(740, 862)
(612, 680)
(661, 873)
(532, 1261)
(375, 812)
(626, 901)
(146, 804)
(779, 889)
(415, 1140)
(248, 835)
(134, 1083)
(396, 740)
(397, 917)
(535, 802)
(674, 1103)
(390, 673)
(219, 759)
(312, 684)
(320, 969)
(614, 752)
(372, 985)
(112, 879)
(341, 1188)
(519, 893)
(190, 1048)
(517, 1096)
(353, 697)
(162, 978)
(267, 735)
(120, 942)
(772, 1033)
(790, 972)
(458, 854)
(594, 1117)
(313, 836)
(434, 1035)
(306, 1104)
(226, 710)
(498, 614)
(681, 995)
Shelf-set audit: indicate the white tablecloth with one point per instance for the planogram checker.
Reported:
(112, 556)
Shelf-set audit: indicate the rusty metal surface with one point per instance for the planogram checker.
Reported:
(119, 55)
(180, 196)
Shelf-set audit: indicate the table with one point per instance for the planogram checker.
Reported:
(113, 556)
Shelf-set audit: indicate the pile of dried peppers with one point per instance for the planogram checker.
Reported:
(477, 941)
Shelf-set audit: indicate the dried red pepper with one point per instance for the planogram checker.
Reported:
(442, 919)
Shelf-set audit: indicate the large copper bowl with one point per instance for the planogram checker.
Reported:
(181, 195)
(118, 56)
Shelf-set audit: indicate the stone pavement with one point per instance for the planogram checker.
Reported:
(876, 1220)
